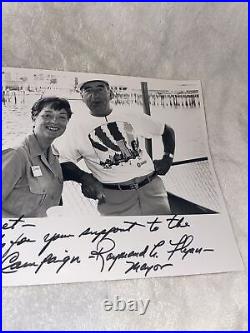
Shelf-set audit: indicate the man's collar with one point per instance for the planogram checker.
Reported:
(102, 115)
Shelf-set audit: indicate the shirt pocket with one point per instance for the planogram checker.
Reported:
(37, 191)
(30, 196)
(35, 186)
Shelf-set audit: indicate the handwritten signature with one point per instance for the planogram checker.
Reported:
(146, 258)
(105, 247)
(183, 246)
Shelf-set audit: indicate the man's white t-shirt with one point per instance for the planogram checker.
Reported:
(111, 146)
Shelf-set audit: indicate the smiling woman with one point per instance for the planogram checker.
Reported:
(32, 176)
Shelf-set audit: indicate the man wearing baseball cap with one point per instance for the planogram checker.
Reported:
(124, 179)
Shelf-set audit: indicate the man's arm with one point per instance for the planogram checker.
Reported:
(168, 138)
(72, 172)
(91, 187)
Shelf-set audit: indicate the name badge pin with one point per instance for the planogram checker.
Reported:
(36, 170)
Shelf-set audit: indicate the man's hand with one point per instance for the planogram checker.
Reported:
(92, 188)
(162, 166)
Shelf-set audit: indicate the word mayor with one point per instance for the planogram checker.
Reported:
(119, 304)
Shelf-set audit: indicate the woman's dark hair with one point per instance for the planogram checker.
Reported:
(56, 103)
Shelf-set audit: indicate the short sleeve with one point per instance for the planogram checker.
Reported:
(13, 169)
(66, 148)
(146, 126)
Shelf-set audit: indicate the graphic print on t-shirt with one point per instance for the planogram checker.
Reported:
(115, 144)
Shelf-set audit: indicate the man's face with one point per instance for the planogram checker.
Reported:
(96, 95)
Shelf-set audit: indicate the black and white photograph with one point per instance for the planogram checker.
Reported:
(115, 146)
